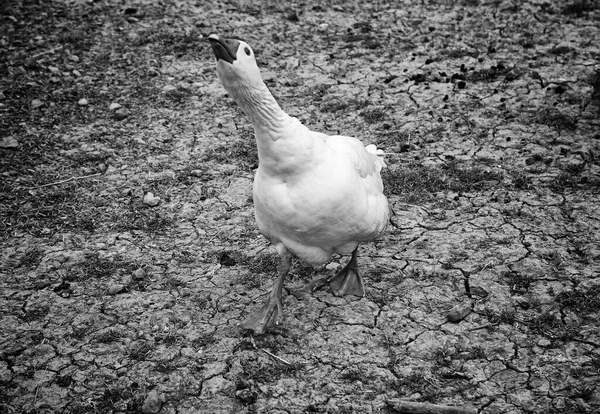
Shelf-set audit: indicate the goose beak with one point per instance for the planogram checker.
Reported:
(225, 49)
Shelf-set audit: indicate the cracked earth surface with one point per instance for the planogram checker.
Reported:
(484, 292)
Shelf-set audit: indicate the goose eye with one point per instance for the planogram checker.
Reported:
(247, 50)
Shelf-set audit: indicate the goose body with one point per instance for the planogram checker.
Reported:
(326, 197)
(314, 194)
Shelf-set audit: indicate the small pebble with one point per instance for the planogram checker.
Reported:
(332, 266)
(82, 102)
(114, 106)
(36, 103)
(115, 289)
(544, 342)
(139, 274)
(121, 114)
(9, 142)
(458, 313)
(151, 200)
(152, 403)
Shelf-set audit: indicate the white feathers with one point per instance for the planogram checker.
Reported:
(314, 194)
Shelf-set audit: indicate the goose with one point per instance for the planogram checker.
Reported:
(314, 194)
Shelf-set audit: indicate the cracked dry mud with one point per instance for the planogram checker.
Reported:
(484, 292)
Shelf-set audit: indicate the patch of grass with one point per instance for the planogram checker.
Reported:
(489, 74)
(579, 7)
(202, 341)
(374, 115)
(417, 383)
(265, 371)
(185, 256)
(583, 302)
(166, 367)
(380, 297)
(140, 217)
(172, 282)
(31, 258)
(519, 284)
(48, 210)
(178, 96)
(356, 373)
(506, 316)
(302, 269)
(264, 263)
(595, 82)
(251, 281)
(334, 106)
(341, 104)
(416, 183)
(98, 267)
(202, 301)
(35, 313)
(476, 352)
(115, 397)
(109, 336)
(521, 180)
(556, 119)
(169, 40)
(571, 176)
(550, 325)
(243, 153)
(578, 247)
(140, 350)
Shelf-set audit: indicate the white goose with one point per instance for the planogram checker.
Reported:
(314, 194)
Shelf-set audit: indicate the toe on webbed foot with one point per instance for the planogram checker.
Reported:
(347, 282)
(262, 319)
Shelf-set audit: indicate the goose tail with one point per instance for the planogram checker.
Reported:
(378, 152)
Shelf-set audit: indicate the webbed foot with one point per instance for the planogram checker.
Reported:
(268, 315)
(265, 317)
(347, 281)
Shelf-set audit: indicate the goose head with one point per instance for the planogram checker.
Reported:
(236, 64)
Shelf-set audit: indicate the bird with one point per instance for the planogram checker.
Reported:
(314, 194)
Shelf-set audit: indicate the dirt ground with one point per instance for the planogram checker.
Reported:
(129, 252)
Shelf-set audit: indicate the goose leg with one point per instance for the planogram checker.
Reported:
(268, 314)
(348, 281)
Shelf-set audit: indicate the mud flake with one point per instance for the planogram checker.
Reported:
(217, 385)
(354, 313)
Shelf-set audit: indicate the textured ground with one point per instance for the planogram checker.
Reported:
(484, 293)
